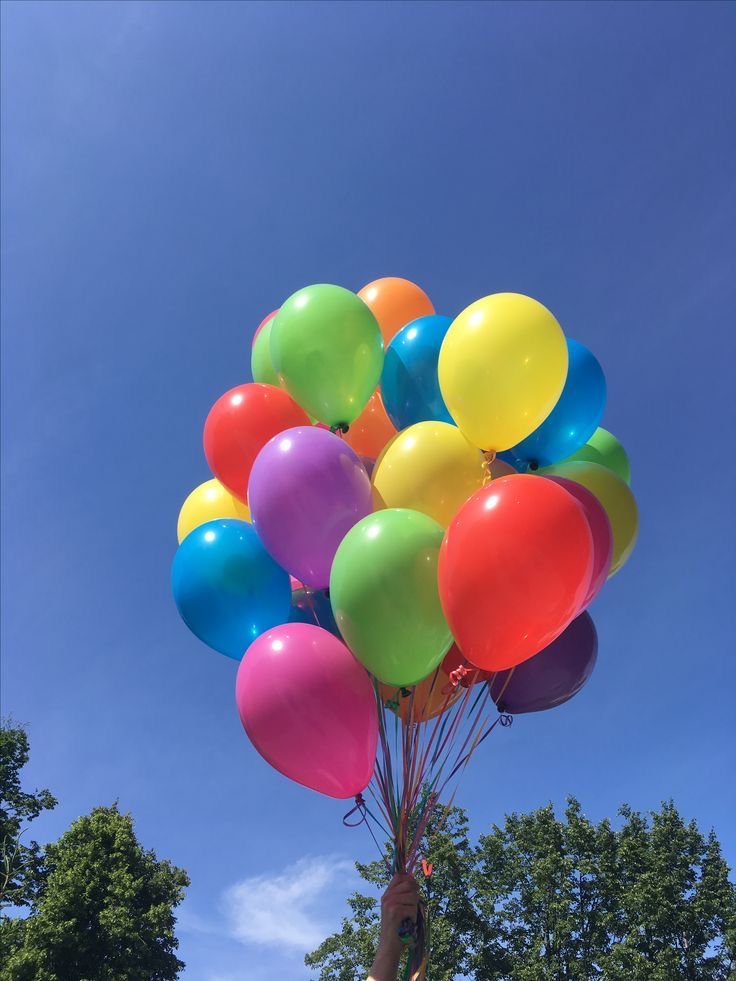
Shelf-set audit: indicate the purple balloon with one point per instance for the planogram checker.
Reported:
(307, 489)
(551, 677)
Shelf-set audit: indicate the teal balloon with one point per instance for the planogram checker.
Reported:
(226, 586)
(410, 388)
(573, 420)
(313, 607)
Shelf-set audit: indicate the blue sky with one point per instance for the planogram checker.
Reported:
(171, 172)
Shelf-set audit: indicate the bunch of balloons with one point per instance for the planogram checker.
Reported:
(403, 505)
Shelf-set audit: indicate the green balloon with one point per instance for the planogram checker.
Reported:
(603, 448)
(384, 594)
(261, 365)
(327, 347)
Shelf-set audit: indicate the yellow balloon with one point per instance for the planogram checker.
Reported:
(429, 467)
(615, 496)
(502, 368)
(208, 502)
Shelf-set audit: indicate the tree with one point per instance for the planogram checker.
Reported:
(21, 863)
(101, 906)
(543, 899)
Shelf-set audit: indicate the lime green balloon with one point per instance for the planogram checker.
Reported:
(603, 448)
(327, 347)
(261, 365)
(615, 496)
(383, 589)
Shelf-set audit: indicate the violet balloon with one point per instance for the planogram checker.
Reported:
(600, 529)
(551, 677)
(309, 709)
(307, 489)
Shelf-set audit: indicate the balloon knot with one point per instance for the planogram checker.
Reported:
(460, 676)
(488, 457)
(427, 868)
(506, 719)
(340, 428)
(534, 465)
(405, 693)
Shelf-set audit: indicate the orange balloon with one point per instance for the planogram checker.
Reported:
(395, 302)
(371, 430)
(429, 700)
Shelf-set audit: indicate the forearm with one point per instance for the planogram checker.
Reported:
(386, 963)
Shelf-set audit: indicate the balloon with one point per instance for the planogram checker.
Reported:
(383, 589)
(371, 430)
(600, 529)
(409, 382)
(206, 503)
(429, 467)
(239, 424)
(307, 490)
(575, 417)
(262, 324)
(553, 675)
(605, 449)
(327, 347)
(615, 496)
(310, 606)
(502, 368)
(227, 588)
(394, 303)
(428, 699)
(309, 709)
(261, 365)
(515, 566)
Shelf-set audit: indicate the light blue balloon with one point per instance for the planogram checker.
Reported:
(227, 588)
(410, 388)
(573, 420)
(315, 608)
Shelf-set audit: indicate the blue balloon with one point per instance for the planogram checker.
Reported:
(227, 588)
(574, 419)
(313, 607)
(410, 388)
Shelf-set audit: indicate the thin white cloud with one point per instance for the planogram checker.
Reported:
(290, 908)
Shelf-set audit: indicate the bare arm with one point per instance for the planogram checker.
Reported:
(398, 903)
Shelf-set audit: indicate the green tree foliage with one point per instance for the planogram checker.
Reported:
(101, 906)
(21, 863)
(543, 899)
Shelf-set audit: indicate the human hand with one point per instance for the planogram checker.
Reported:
(398, 903)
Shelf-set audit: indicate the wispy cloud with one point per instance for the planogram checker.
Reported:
(290, 908)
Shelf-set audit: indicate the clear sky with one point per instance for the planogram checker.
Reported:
(171, 172)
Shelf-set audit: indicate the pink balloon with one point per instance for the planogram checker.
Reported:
(262, 324)
(309, 709)
(600, 528)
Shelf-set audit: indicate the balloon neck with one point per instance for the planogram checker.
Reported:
(405, 693)
(488, 457)
(340, 428)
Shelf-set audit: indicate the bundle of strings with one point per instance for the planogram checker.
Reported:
(418, 762)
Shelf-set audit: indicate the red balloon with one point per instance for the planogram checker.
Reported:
(515, 566)
(262, 324)
(239, 425)
(600, 528)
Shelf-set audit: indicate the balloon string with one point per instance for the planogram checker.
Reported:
(488, 457)
(497, 698)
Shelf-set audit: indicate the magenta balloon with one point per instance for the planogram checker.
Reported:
(307, 489)
(309, 709)
(551, 677)
(600, 527)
